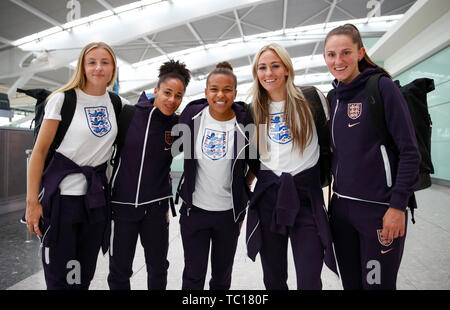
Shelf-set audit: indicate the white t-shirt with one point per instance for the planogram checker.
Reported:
(281, 156)
(89, 138)
(214, 150)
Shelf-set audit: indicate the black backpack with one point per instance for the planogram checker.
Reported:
(415, 94)
(67, 111)
(123, 122)
(323, 133)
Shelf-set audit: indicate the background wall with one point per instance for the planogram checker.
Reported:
(436, 67)
(13, 164)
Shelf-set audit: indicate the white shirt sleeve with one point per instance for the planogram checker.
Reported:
(53, 107)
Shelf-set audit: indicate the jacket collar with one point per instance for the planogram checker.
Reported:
(347, 91)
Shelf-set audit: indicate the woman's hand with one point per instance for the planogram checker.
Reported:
(33, 215)
(393, 224)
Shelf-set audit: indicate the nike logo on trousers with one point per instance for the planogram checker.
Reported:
(351, 125)
(386, 251)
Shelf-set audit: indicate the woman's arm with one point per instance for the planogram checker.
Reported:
(401, 129)
(35, 170)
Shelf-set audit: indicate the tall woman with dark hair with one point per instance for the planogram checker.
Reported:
(141, 184)
(373, 183)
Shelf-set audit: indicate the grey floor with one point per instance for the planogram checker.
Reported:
(425, 265)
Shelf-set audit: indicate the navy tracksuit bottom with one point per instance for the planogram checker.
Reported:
(306, 246)
(365, 260)
(153, 229)
(70, 263)
(200, 231)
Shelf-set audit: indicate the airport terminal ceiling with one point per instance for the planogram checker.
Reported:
(41, 39)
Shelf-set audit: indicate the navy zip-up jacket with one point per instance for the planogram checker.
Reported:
(363, 168)
(191, 117)
(96, 196)
(143, 173)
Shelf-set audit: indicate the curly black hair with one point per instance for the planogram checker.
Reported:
(174, 69)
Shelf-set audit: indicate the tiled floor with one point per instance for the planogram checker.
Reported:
(425, 265)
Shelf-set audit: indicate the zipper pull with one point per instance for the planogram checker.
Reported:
(188, 209)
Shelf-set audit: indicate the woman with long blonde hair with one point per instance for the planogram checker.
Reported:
(67, 202)
(288, 201)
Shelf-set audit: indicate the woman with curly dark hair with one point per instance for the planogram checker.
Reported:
(141, 185)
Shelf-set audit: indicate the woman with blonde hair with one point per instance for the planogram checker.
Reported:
(288, 201)
(67, 202)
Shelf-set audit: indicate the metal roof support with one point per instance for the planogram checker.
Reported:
(238, 23)
(195, 33)
(155, 46)
(330, 12)
(106, 5)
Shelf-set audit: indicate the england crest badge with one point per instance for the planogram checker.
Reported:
(278, 130)
(354, 110)
(98, 120)
(168, 138)
(383, 241)
(215, 143)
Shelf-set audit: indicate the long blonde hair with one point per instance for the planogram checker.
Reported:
(297, 112)
(78, 79)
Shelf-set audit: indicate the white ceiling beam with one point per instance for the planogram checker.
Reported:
(155, 46)
(311, 17)
(245, 23)
(106, 5)
(144, 53)
(115, 30)
(342, 10)
(5, 41)
(327, 19)
(238, 23)
(285, 6)
(330, 12)
(145, 74)
(195, 33)
(38, 13)
(401, 9)
(225, 33)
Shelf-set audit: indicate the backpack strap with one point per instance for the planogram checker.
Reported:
(117, 103)
(323, 133)
(330, 95)
(376, 108)
(124, 122)
(67, 112)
